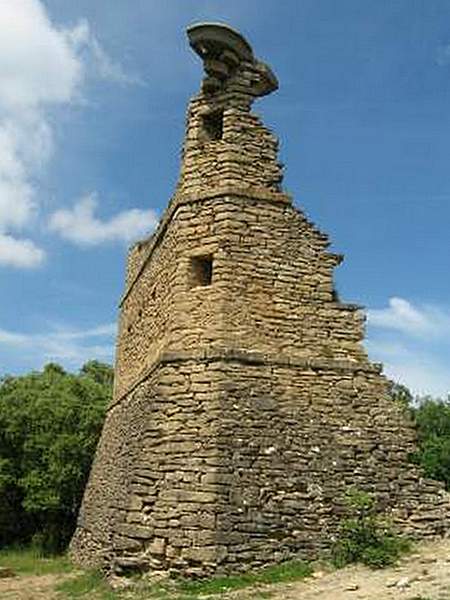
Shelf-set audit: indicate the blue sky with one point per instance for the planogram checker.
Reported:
(92, 103)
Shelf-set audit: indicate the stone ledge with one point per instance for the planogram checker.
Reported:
(349, 306)
(211, 355)
(253, 192)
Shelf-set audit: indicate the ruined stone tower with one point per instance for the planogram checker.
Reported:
(245, 405)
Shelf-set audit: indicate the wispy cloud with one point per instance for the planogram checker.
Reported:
(80, 225)
(443, 55)
(421, 369)
(419, 321)
(413, 342)
(88, 46)
(68, 346)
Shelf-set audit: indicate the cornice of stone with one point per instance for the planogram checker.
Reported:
(228, 355)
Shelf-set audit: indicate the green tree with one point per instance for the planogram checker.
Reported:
(432, 418)
(401, 394)
(50, 422)
(99, 372)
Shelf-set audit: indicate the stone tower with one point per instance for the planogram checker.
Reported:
(245, 405)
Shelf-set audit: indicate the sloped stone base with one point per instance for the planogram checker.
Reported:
(230, 461)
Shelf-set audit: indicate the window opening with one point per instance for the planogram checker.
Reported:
(213, 125)
(201, 271)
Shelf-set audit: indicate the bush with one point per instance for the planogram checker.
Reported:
(364, 537)
(50, 422)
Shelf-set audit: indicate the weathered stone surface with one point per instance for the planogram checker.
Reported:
(245, 404)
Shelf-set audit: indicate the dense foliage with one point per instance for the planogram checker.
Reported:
(50, 422)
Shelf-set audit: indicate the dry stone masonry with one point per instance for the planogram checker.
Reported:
(245, 405)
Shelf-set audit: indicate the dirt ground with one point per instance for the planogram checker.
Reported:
(30, 587)
(423, 575)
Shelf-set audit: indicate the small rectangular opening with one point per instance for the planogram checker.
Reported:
(213, 125)
(201, 270)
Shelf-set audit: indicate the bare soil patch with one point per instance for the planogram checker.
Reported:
(423, 575)
(30, 587)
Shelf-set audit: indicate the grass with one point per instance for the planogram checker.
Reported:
(30, 561)
(92, 585)
(288, 571)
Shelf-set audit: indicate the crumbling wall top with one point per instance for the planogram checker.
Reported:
(223, 50)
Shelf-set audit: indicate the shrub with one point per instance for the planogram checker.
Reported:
(364, 537)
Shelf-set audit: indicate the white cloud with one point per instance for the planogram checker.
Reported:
(41, 66)
(71, 347)
(81, 226)
(19, 253)
(413, 343)
(37, 62)
(419, 321)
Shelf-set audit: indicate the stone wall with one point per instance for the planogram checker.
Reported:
(272, 288)
(246, 154)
